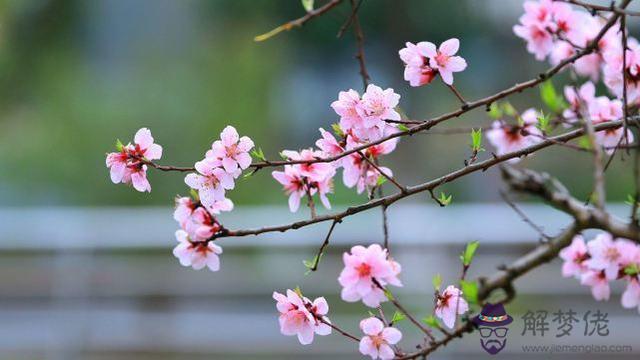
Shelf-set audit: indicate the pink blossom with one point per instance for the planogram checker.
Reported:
(184, 209)
(539, 40)
(362, 266)
(605, 254)
(598, 282)
(196, 254)
(612, 70)
(631, 295)
(540, 12)
(329, 145)
(574, 257)
(232, 150)
(447, 303)
(316, 171)
(293, 184)
(577, 100)
(299, 316)
(417, 70)
(345, 107)
(509, 138)
(601, 110)
(378, 339)
(211, 182)
(444, 60)
(127, 166)
(378, 105)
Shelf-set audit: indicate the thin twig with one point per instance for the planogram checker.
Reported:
(325, 243)
(347, 23)
(357, 30)
(524, 217)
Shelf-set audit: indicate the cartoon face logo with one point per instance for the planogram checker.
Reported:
(492, 325)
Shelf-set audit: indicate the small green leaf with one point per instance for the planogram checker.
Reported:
(381, 180)
(469, 252)
(194, 194)
(444, 199)
(258, 154)
(402, 127)
(469, 291)
(431, 321)
(508, 109)
(283, 156)
(584, 143)
(388, 294)
(119, 145)
(437, 281)
(631, 270)
(550, 97)
(476, 140)
(309, 264)
(337, 130)
(298, 291)
(397, 317)
(307, 5)
(630, 200)
(494, 111)
(543, 122)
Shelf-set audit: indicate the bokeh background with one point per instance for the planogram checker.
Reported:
(85, 266)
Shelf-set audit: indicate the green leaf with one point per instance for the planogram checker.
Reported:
(258, 154)
(444, 199)
(337, 130)
(436, 281)
(194, 194)
(631, 270)
(431, 321)
(307, 5)
(119, 145)
(469, 252)
(508, 109)
(630, 200)
(476, 140)
(543, 122)
(381, 180)
(397, 317)
(584, 142)
(402, 127)
(310, 263)
(388, 294)
(298, 291)
(469, 291)
(494, 111)
(283, 156)
(551, 98)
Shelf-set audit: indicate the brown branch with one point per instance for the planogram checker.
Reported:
(347, 23)
(612, 8)
(342, 332)
(403, 310)
(357, 30)
(386, 176)
(300, 21)
(423, 125)
(429, 185)
(325, 243)
(524, 217)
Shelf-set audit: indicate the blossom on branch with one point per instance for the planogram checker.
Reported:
(232, 151)
(450, 304)
(378, 339)
(299, 316)
(508, 138)
(128, 166)
(211, 182)
(196, 254)
(364, 267)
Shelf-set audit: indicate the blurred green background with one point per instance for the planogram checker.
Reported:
(76, 75)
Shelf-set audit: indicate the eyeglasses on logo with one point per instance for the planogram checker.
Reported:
(492, 324)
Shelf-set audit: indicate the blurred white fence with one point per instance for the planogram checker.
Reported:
(101, 283)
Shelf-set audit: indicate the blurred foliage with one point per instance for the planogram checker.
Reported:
(76, 75)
